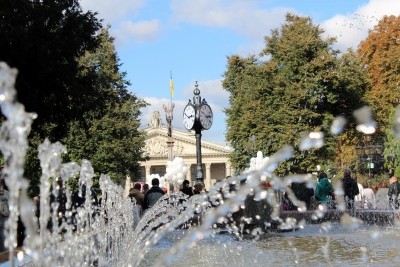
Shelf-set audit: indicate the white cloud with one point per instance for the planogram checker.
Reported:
(138, 32)
(351, 29)
(120, 13)
(111, 10)
(243, 17)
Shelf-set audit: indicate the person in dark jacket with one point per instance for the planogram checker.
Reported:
(153, 195)
(302, 193)
(186, 189)
(350, 189)
(324, 192)
(198, 188)
(136, 194)
(393, 193)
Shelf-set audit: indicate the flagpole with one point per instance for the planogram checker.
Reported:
(169, 117)
(171, 86)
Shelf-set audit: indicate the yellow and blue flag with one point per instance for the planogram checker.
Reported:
(171, 85)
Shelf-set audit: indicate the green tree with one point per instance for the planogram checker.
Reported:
(109, 137)
(69, 74)
(299, 88)
(245, 116)
(43, 39)
(392, 145)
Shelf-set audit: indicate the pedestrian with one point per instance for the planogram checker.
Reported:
(153, 195)
(382, 196)
(350, 189)
(186, 188)
(4, 212)
(302, 193)
(393, 193)
(369, 198)
(198, 188)
(359, 199)
(137, 198)
(324, 192)
(145, 188)
(136, 194)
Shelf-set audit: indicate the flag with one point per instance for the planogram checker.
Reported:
(171, 85)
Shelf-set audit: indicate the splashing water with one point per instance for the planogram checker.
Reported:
(103, 232)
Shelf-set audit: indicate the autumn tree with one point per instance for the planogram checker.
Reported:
(380, 53)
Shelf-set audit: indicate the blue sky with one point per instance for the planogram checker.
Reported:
(193, 38)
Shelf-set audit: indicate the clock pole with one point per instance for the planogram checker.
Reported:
(197, 128)
(198, 116)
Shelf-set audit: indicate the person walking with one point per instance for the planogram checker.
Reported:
(324, 192)
(136, 194)
(382, 196)
(146, 188)
(350, 189)
(198, 188)
(369, 198)
(393, 193)
(186, 189)
(359, 198)
(153, 195)
(137, 197)
(302, 193)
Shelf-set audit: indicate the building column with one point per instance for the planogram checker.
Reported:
(228, 171)
(207, 181)
(189, 172)
(148, 167)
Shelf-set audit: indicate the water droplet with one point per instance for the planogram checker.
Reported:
(365, 122)
(338, 125)
(313, 140)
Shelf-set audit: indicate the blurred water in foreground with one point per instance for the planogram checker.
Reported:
(314, 245)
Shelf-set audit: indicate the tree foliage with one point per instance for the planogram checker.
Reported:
(69, 74)
(392, 145)
(299, 88)
(380, 53)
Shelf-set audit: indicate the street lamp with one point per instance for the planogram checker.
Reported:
(369, 154)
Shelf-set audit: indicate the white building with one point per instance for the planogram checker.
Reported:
(215, 157)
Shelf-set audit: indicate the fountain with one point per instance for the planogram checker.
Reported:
(102, 232)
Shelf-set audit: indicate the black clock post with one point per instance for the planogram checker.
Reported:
(198, 116)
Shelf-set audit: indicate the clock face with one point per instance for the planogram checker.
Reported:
(188, 117)
(206, 116)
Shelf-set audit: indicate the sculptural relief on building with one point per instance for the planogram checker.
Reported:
(178, 148)
(156, 147)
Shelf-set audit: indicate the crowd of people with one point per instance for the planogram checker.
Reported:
(356, 195)
(146, 197)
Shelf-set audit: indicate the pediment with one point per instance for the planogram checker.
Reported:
(184, 144)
